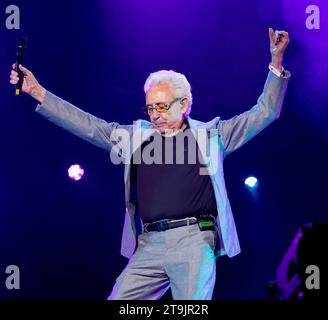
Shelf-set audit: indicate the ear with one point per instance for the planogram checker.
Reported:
(184, 102)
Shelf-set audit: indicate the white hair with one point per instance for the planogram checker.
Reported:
(180, 84)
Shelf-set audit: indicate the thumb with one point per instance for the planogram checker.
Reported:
(24, 70)
(272, 36)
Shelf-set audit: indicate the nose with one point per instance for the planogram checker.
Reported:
(155, 115)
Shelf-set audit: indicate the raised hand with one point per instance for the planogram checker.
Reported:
(30, 85)
(278, 43)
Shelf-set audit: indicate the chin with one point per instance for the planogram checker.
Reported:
(162, 130)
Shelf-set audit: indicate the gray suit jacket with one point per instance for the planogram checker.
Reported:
(223, 137)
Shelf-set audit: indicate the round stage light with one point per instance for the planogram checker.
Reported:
(251, 182)
(75, 172)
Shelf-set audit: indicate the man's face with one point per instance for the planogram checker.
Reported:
(172, 118)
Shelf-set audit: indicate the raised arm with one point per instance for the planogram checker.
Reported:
(82, 124)
(238, 130)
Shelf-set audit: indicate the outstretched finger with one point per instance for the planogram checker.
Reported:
(272, 36)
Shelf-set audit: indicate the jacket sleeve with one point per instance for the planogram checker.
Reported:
(236, 131)
(105, 135)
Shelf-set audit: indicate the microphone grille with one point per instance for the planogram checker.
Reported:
(22, 43)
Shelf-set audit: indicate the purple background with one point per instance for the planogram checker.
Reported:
(65, 235)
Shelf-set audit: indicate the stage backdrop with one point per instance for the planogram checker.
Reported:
(65, 235)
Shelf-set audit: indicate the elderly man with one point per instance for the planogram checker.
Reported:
(185, 215)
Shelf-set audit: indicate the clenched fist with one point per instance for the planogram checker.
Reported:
(278, 43)
(30, 85)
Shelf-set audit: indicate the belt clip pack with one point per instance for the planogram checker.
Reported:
(205, 225)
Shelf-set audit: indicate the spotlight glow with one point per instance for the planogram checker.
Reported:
(75, 172)
(251, 182)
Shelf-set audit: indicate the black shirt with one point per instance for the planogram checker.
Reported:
(171, 190)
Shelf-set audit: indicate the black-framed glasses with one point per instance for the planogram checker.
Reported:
(160, 107)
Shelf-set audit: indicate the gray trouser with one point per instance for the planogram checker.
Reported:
(181, 258)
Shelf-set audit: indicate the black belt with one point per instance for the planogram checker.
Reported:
(166, 224)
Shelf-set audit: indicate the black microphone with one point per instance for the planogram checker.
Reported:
(20, 52)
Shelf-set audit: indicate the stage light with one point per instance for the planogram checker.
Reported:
(75, 172)
(251, 182)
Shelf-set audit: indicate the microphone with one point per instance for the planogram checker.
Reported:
(20, 52)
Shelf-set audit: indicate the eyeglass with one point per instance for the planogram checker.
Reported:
(160, 107)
